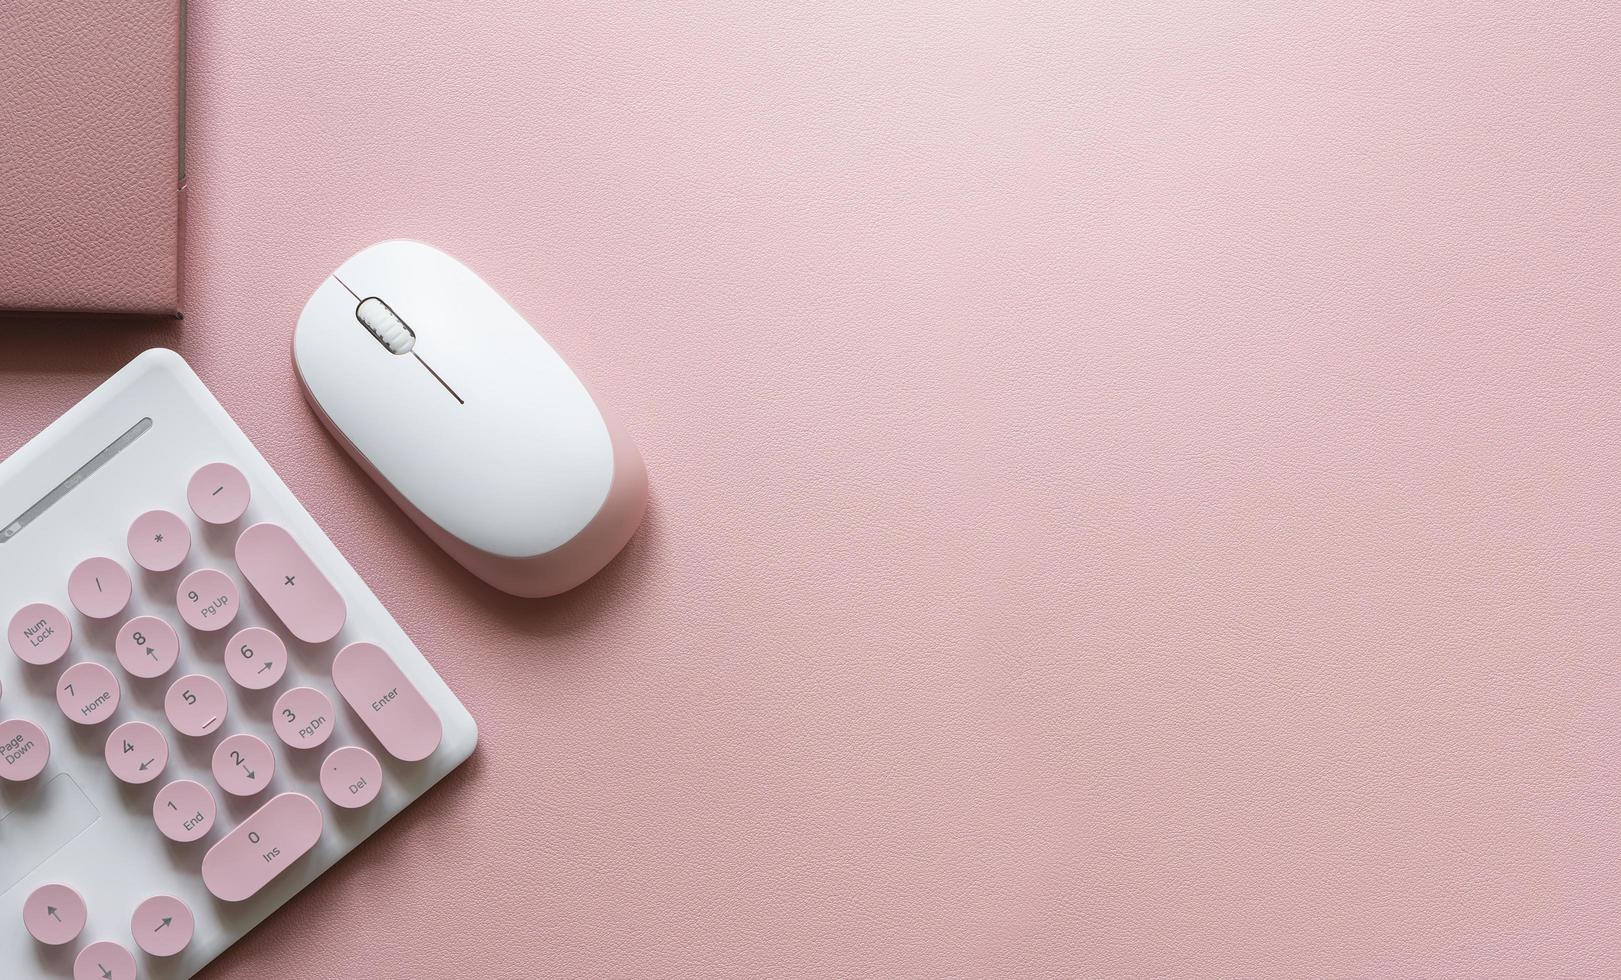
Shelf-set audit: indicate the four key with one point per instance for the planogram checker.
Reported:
(136, 752)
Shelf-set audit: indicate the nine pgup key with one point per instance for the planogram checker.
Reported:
(207, 599)
(289, 583)
(262, 847)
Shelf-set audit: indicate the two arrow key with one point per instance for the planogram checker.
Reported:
(243, 765)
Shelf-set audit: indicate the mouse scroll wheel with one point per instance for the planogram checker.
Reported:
(385, 325)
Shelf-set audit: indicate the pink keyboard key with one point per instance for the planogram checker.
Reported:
(256, 658)
(54, 914)
(243, 765)
(87, 693)
(105, 960)
(162, 925)
(218, 493)
(389, 704)
(283, 575)
(303, 717)
(24, 750)
(147, 646)
(136, 752)
(195, 705)
(207, 599)
(262, 847)
(99, 588)
(184, 811)
(351, 777)
(159, 541)
(39, 634)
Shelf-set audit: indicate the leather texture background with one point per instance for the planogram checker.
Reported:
(1133, 487)
(90, 155)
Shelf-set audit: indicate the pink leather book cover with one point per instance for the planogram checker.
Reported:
(91, 157)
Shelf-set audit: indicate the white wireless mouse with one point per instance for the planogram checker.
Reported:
(468, 419)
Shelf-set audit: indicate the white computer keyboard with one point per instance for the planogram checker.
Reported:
(202, 706)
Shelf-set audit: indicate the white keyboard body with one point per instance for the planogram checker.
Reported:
(75, 823)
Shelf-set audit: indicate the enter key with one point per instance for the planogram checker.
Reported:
(387, 701)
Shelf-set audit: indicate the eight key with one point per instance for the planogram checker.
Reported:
(147, 646)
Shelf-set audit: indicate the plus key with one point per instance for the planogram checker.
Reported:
(288, 581)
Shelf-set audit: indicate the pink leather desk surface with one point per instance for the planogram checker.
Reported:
(1134, 490)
